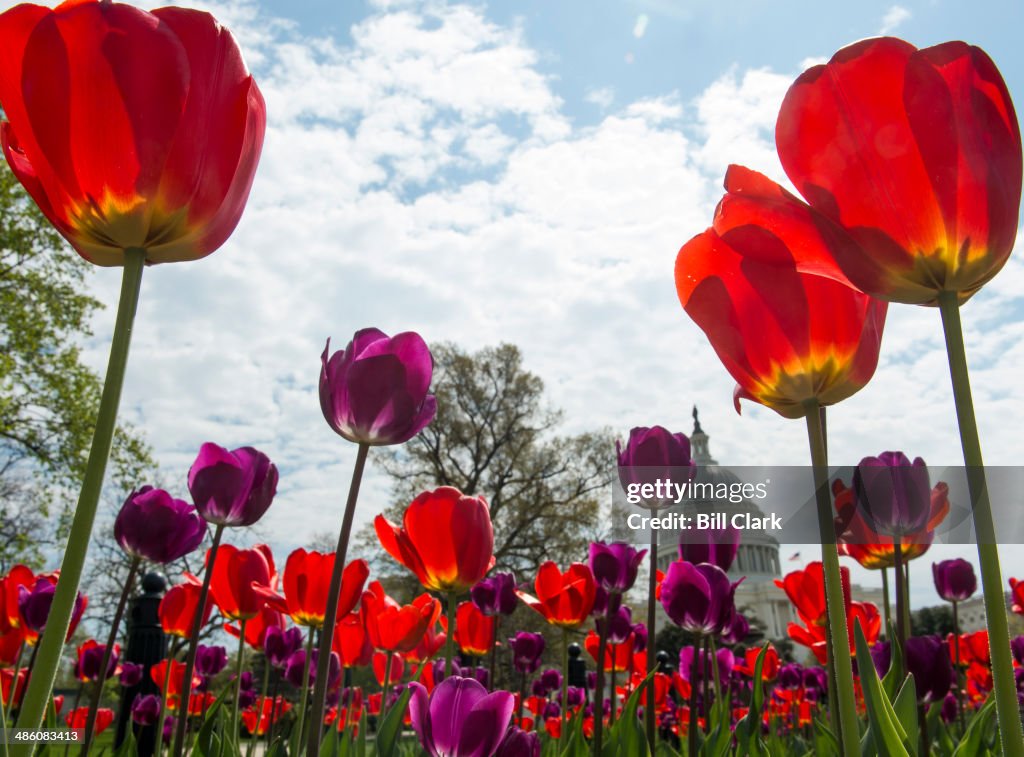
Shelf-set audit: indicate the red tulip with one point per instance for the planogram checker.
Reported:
(806, 590)
(11, 644)
(257, 720)
(351, 642)
(234, 573)
(781, 316)
(433, 639)
(177, 610)
(392, 627)
(395, 672)
(446, 539)
(1017, 590)
(307, 578)
(159, 672)
(161, 151)
(6, 682)
(564, 599)
(474, 631)
(256, 628)
(19, 575)
(76, 718)
(618, 657)
(769, 668)
(918, 154)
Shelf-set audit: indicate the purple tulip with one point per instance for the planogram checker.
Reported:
(169, 725)
(1017, 647)
(654, 454)
(246, 682)
(232, 488)
(927, 658)
(717, 546)
(210, 660)
(954, 579)
(791, 676)
(591, 680)
(87, 666)
(551, 710)
(279, 645)
(538, 689)
(737, 631)
(496, 594)
(815, 682)
(131, 674)
(551, 678)
(375, 390)
(154, 526)
(639, 637)
(893, 495)
(574, 696)
(725, 658)
(34, 605)
(519, 743)
(615, 565)
(699, 598)
(248, 697)
(949, 708)
(881, 656)
(295, 669)
(459, 718)
(145, 709)
(527, 649)
(620, 626)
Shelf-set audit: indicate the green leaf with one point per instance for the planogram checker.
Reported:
(330, 745)
(897, 670)
(391, 727)
(627, 736)
(825, 742)
(576, 743)
(360, 745)
(128, 747)
(889, 737)
(748, 729)
(973, 742)
(905, 708)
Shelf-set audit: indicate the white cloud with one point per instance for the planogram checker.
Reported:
(602, 97)
(640, 27)
(893, 18)
(426, 176)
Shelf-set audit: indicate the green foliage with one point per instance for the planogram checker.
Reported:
(627, 735)
(932, 620)
(48, 397)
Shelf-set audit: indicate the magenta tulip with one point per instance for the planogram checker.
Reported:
(375, 390)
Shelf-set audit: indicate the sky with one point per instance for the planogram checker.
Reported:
(526, 172)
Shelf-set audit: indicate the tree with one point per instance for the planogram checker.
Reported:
(494, 436)
(48, 397)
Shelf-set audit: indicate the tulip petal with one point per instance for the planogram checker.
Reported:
(450, 705)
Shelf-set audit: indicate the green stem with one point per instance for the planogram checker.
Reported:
(613, 694)
(333, 592)
(36, 697)
(158, 747)
(885, 599)
(565, 683)
(253, 737)
(1004, 685)
(238, 677)
(691, 730)
(193, 645)
(494, 653)
(602, 647)
(94, 703)
(304, 696)
(901, 595)
(834, 600)
(449, 641)
(652, 648)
